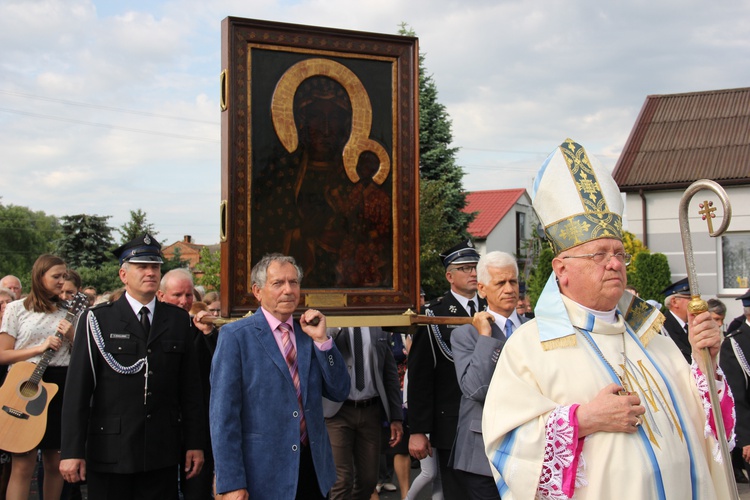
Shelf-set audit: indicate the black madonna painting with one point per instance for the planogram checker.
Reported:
(319, 144)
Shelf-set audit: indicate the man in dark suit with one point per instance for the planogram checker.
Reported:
(132, 406)
(476, 349)
(354, 426)
(675, 321)
(433, 392)
(735, 353)
(268, 379)
(177, 288)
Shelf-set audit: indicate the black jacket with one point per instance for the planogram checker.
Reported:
(113, 420)
(434, 396)
(738, 380)
(678, 335)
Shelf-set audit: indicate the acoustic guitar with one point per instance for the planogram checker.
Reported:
(25, 398)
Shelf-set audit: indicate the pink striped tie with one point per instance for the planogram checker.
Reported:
(290, 354)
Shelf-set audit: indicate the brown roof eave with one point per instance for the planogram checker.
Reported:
(680, 185)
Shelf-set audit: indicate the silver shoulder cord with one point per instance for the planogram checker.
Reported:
(93, 330)
(741, 359)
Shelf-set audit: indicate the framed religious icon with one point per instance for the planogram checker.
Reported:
(320, 162)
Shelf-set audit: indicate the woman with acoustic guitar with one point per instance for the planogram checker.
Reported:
(30, 327)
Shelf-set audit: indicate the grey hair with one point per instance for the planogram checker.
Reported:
(668, 301)
(259, 274)
(179, 272)
(717, 307)
(494, 259)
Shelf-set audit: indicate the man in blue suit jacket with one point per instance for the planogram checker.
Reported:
(269, 438)
(476, 349)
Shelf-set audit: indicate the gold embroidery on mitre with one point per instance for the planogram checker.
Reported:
(580, 228)
(596, 221)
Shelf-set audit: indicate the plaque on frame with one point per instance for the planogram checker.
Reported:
(319, 158)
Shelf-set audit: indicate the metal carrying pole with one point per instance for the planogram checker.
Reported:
(698, 305)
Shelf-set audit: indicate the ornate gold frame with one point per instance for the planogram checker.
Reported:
(263, 64)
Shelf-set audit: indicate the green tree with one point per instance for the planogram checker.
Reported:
(86, 240)
(210, 266)
(440, 205)
(24, 236)
(175, 262)
(105, 278)
(633, 246)
(432, 238)
(136, 226)
(652, 277)
(540, 274)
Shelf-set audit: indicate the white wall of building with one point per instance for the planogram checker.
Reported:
(663, 236)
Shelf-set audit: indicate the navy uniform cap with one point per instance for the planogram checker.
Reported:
(142, 250)
(745, 299)
(681, 287)
(463, 253)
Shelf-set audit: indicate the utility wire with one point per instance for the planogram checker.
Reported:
(104, 125)
(108, 108)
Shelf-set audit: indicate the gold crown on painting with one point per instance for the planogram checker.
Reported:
(576, 199)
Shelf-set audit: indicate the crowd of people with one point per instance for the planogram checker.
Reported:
(593, 394)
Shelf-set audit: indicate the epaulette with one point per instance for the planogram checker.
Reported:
(433, 302)
(734, 333)
(101, 305)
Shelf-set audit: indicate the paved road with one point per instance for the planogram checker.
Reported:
(743, 489)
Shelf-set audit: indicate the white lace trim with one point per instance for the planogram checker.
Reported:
(708, 432)
(559, 453)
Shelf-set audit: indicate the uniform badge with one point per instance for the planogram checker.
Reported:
(452, 309)
(124, 336)
(147, 240)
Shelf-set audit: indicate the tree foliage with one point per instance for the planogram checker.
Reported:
(432, 238)
(24, 236)
(105, 278)
(633, 246)
(174, 262)
(136, 226)
(540, 274)
(442, 220)
(210, 266)
(652, 277)
(86, 240)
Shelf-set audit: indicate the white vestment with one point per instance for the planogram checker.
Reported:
(539, 372)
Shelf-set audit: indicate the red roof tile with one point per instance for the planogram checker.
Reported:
(491, 207)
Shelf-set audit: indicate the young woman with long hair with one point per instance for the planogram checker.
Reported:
(30, 327)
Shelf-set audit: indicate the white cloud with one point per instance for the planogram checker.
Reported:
(517, 77)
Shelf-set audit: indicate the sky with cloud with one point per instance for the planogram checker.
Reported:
(112, 106)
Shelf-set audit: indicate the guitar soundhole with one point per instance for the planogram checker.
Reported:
(29, 389)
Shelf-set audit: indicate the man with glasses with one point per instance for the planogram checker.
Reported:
(675, 322)
(433, 392)
(587, 400)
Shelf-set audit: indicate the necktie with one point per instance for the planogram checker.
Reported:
(685, 328)
(359, 360)
(145, 323)
(472, 308)
(290, 355)
(508, 328)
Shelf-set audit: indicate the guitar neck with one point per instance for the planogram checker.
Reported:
(43, 363)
